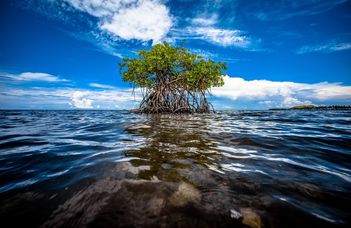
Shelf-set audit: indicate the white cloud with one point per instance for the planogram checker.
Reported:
(217, 36)
(205, 20)
(80, 101)
(326, 91)
(236, 92)
(67, 98)
(326, 47)
(210, 55)
(108, 99)
(150, 20)
(100, 8)
(281, 94)
(101, 86)
(117, 55)
(30, 76)
(223, 37)
(204, 27)
(130, 19)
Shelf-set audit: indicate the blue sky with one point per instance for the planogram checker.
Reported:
(64, 54)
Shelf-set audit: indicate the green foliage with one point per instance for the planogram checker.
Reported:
(164, 62)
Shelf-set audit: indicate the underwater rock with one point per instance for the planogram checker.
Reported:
(127, 201)
(198, 175)
(129, 168)
(251, 218)
(185, 194)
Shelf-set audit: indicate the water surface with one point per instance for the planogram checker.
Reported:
(234, 168)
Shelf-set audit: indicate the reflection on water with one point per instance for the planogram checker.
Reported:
(113, 168)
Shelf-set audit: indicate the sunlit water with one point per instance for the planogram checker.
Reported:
(114, 168)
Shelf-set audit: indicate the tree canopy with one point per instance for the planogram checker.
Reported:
(172, 79)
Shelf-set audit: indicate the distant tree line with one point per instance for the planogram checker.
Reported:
(314, 107)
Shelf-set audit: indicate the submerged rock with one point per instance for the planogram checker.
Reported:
(128, 167)
(124, 200)
(185, 194)
(251, 218)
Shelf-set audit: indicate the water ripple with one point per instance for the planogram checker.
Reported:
(272, 162)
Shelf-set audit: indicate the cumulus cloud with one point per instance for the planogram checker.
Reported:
(281, 94)
(108, 99)
(67, 98)
(332, 46)
(80, 101)
(148, 20)
(130, 19)
(30, 76)
(236, 93)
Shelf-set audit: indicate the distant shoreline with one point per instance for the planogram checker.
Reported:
(318, 108)
(302, 107)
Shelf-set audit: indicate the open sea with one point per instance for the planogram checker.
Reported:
(228, 169)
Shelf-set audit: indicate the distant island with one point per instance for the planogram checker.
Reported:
(314, 107)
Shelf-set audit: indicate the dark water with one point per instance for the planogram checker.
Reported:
(113, 169)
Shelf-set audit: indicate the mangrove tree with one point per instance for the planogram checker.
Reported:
(172, 79)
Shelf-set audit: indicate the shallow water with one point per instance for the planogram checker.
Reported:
(237, 168)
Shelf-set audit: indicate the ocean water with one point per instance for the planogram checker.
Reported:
(228, 169)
